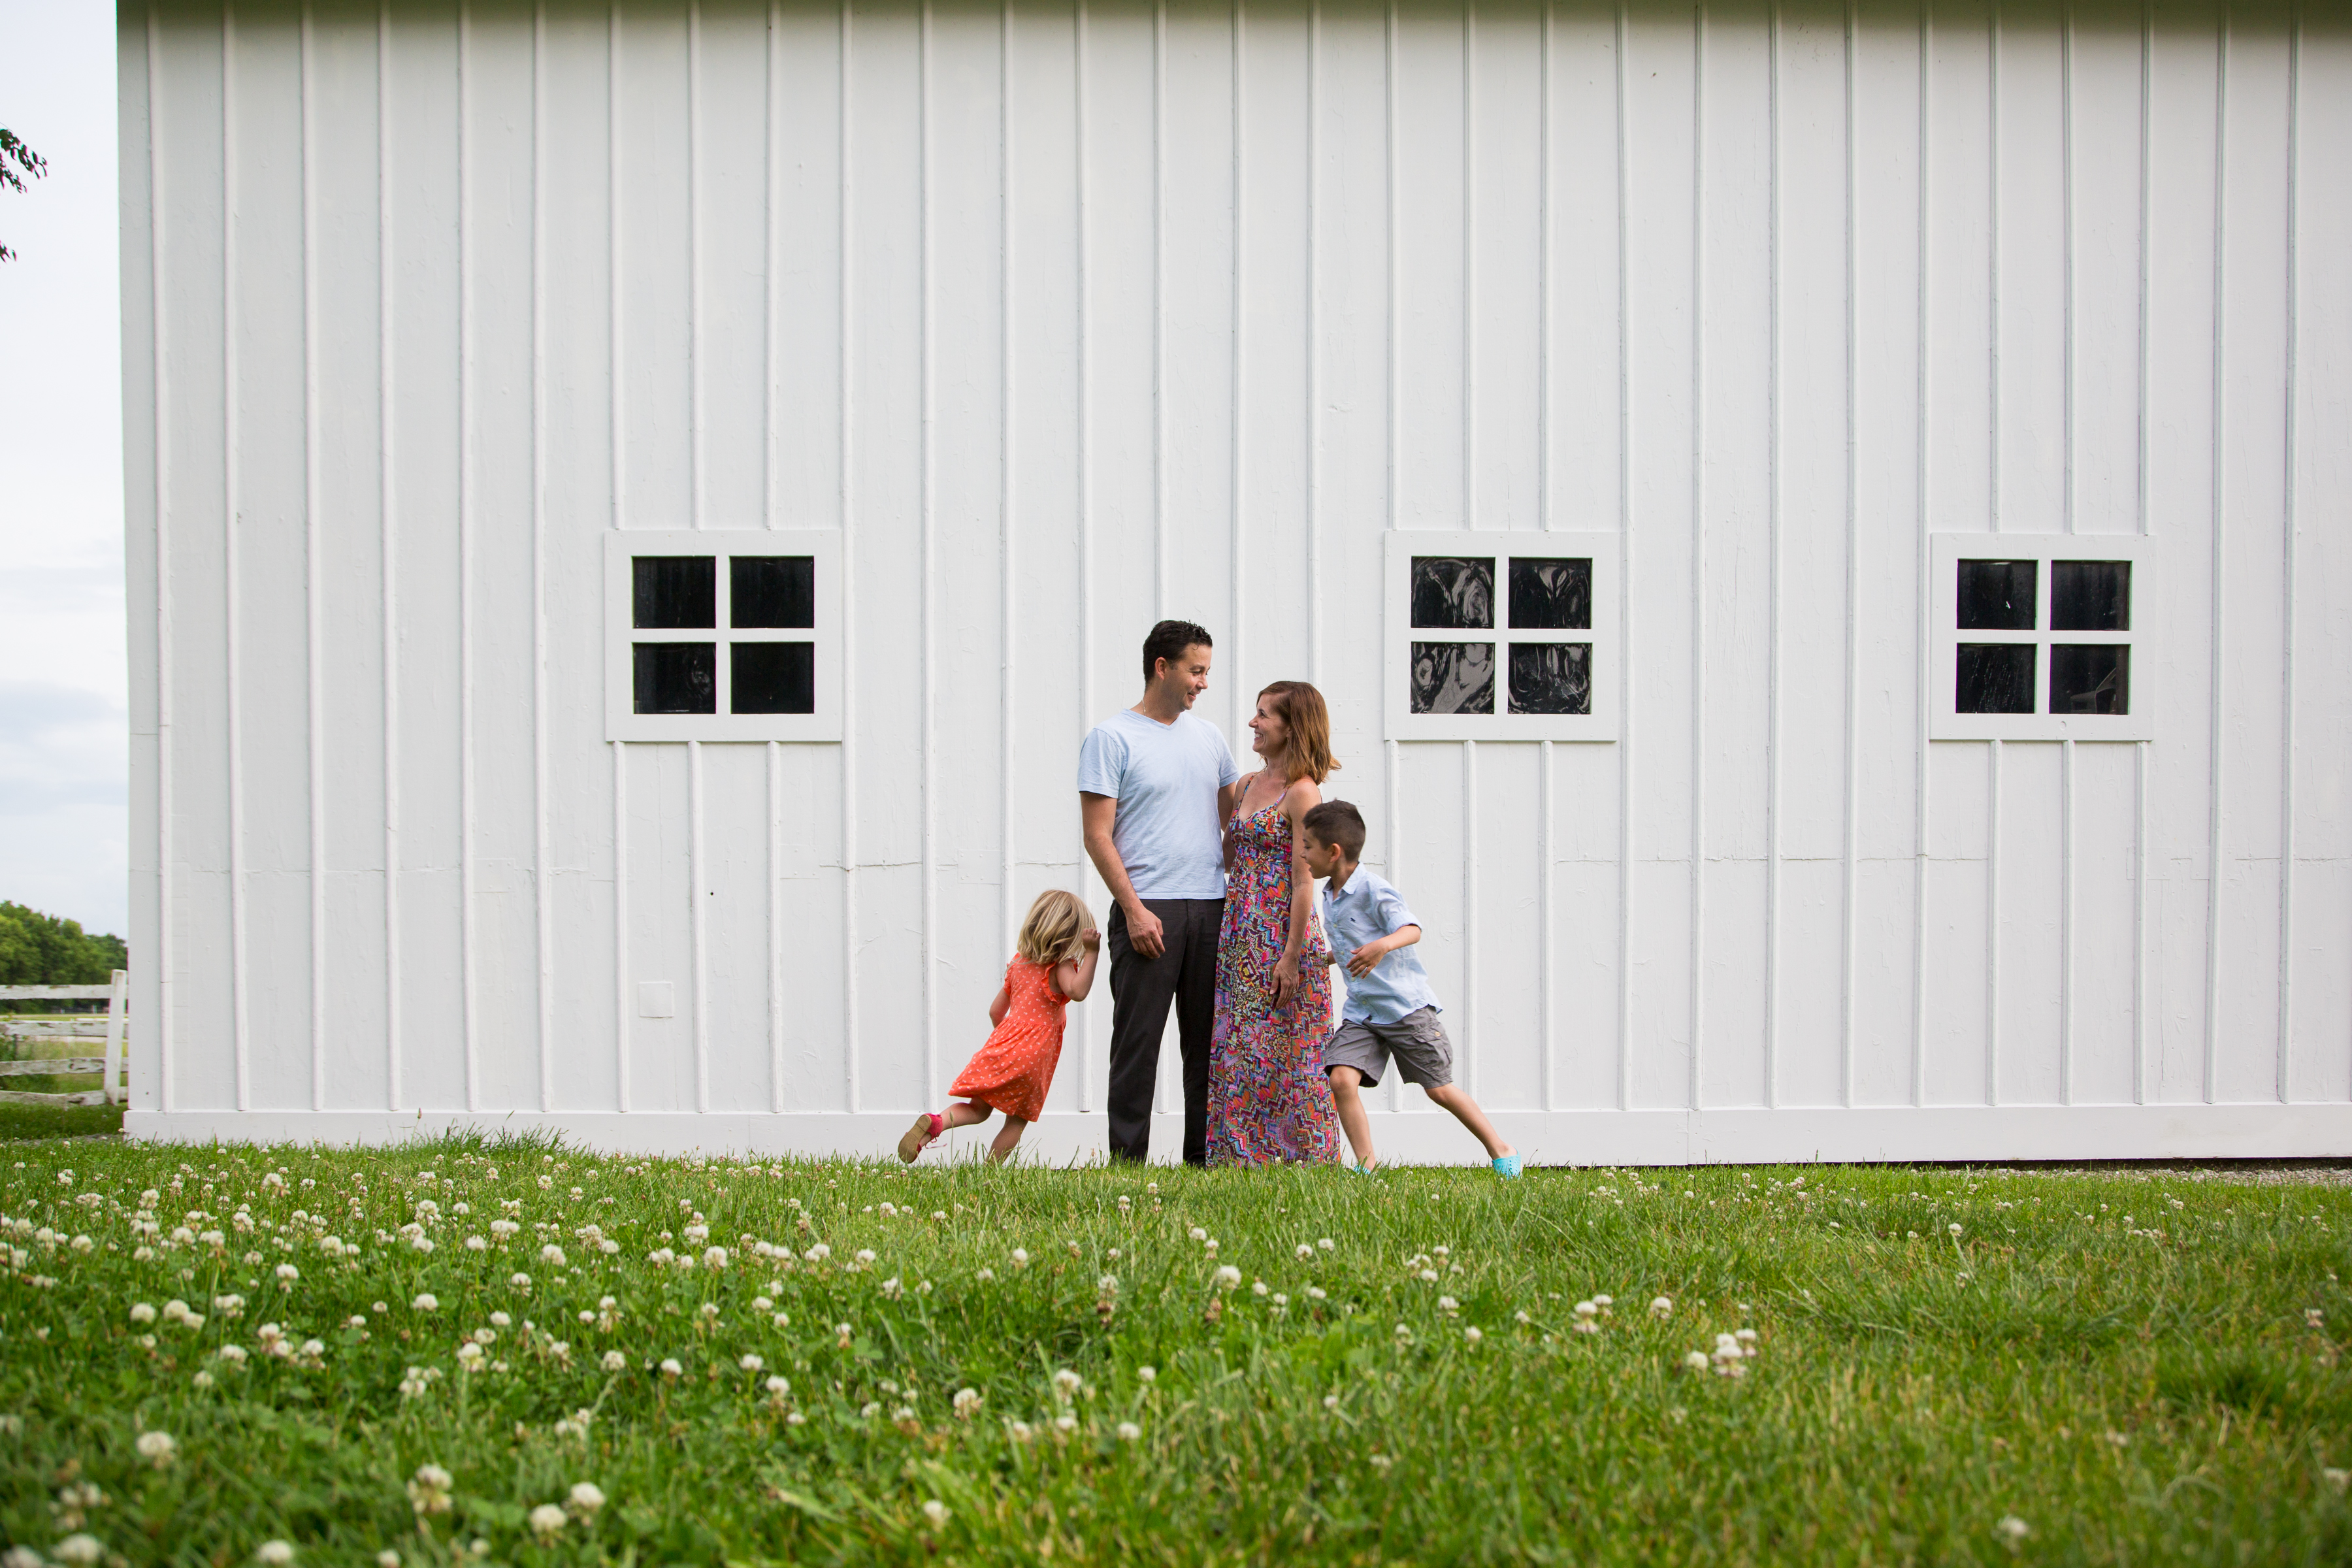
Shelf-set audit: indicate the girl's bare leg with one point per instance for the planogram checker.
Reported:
(1008, 1137)
(966, 1113)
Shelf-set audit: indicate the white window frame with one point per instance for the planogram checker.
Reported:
(1947, 551)
(1605, 635)
(623, 722)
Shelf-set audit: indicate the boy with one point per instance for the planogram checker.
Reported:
(1390, 1010)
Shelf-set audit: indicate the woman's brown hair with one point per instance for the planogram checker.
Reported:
(1308, 753)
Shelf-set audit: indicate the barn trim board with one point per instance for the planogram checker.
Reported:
(1051, 320)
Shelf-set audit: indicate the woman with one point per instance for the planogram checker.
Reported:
(1268, 1100)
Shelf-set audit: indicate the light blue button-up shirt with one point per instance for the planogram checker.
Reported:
(1365, 911)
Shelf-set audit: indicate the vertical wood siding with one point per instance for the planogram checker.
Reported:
(1070, 317)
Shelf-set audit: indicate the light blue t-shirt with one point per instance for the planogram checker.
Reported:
(1165, 778)
(1367, 909)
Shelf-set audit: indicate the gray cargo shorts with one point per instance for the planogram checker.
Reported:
(1423, 1054)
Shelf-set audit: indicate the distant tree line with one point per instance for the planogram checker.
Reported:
(44, 950)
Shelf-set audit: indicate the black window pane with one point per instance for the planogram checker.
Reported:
(1551, 595)
(1453, 592)
(1454, 677)
(2093, 678)
(1995, 678)
(2090, 595)
(1551, 677)
(678, 677)
(676, 591)
(772, 590)
(775, 678)
(1997, 595)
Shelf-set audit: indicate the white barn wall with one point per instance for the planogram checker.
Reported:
(1072, 317)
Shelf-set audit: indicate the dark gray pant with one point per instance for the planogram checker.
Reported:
(1185, 972)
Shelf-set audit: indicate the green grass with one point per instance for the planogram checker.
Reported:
(2141, 1389)
(21, 1121)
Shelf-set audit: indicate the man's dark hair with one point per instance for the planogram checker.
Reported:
(1341, 825)
(1169, 640)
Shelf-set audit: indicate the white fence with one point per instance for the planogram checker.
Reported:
(39, 1031)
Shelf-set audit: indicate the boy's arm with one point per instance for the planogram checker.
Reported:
(1368, 957)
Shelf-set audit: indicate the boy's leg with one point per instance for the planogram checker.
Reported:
(1465, 1110)
(1008, 1137)
(1347, 1093)
(1140, 991)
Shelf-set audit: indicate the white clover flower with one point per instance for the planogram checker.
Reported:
(233, 1354)
(520, 1282)
(1022, 1431)
(818, 1252)
(1448, 1304)
(1662, 1307)
(865, 1258)
(707, 1311)
(140, 1312)
(937, 1512)
(762, 1304)
(1227, 1276)
(158, 1448)
(1472, 1337)
(670, 1367)
(1129, 1432)
(274, 1552)
(387, 1558)
(78, 1549)
(1065, 1423)
(1199, 1235)
(890, 1287)
(1257, 1287)
(426, 1302)
(551, 1255)
(546, 1520)
(2013, 1528)
(966, 1401)
(202, 1379)
(615, 1362)
(1020, 1257)
(500, 1320)
(985, 1275)
(778, 1386)
(586, 1497)
(869, 1410)
(714, 1258)
(1317, 1293)
(751, 1363)
(428, 1490)
(1147, 1375)
(288, 1273)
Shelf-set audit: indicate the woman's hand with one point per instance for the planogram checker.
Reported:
(1286, 981)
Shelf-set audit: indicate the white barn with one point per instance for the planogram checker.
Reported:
(1941, 413)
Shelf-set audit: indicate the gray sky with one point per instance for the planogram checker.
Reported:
(62, 745)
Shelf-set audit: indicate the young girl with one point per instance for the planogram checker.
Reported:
(1054, 967)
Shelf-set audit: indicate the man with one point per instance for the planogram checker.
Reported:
(1155, 786)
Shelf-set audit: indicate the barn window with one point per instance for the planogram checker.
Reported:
(766, 665)
(2033, 636)
(1502, 636)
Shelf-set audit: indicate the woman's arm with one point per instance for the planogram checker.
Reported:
(1304, 798)
(1237, 791)
(1074, 977)
(1001, 1005)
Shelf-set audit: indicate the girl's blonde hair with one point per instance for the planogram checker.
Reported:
(1049, 936)
(1307, 753)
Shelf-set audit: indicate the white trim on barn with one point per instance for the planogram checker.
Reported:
(1056, 319)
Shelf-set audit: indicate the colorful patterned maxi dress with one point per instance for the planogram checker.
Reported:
(1268, 1100)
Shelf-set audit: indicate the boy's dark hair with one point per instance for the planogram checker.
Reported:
(1341, 825)
(1169, 640)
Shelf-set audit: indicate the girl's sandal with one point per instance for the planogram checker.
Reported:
(927, 1127)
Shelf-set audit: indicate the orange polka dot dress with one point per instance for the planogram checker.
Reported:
(1013, 1071)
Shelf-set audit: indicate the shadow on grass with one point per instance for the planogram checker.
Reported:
(21, 1121)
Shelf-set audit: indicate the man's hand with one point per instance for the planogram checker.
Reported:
(1144, 932)
(1367, 958)
(1286, 981)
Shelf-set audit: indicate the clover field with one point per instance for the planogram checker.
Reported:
(517, 1352)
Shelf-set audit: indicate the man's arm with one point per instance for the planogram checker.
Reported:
(1096, 813)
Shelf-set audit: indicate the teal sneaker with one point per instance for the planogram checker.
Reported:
(1508, 1165)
